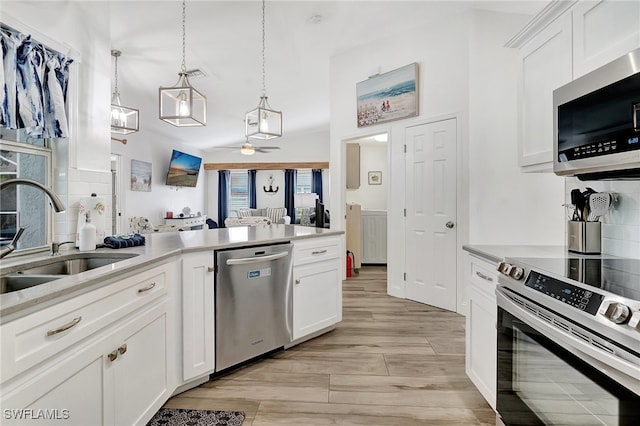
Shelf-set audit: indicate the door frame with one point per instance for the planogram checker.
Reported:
(396, 160)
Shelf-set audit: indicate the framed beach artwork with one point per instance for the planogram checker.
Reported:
(140, 176)
(388, 97)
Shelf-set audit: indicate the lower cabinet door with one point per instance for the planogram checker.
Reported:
(481, 344)
(71, 392)
(317, 297)
(140, 369)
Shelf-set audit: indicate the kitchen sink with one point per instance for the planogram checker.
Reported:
(30, 274)
(9, 283)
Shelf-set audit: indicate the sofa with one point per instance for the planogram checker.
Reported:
(251, 217)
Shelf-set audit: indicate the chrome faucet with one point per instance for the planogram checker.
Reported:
(57, 204)
(55, 247)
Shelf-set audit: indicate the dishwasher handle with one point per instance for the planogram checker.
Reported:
(248, 260)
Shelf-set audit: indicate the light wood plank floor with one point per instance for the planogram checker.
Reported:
(389, 362)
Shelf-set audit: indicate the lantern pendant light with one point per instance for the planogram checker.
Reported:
(124, 120)
(181, 104)
(263, 122)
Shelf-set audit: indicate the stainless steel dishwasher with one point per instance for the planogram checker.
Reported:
(253, 302)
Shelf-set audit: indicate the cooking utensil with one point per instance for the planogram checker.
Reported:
(599, 204)
(576, 196)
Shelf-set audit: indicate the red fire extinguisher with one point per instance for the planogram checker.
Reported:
(350, 261)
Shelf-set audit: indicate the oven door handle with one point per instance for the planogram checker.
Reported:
(618, 369)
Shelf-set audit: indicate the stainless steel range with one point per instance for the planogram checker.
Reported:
(569, 341)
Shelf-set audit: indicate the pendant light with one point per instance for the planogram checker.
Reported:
(263, 122)
(124, 120)
(181, 104)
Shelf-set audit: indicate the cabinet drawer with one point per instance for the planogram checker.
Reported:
(315, 250)
(483, 275)
(38, 336)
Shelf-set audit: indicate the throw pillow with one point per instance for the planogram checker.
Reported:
(244, 213)
(275, 213)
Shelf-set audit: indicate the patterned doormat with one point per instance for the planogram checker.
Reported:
(187, 417)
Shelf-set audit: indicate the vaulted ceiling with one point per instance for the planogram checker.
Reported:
(223, 40)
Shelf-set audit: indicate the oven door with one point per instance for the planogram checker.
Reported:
(541, 382)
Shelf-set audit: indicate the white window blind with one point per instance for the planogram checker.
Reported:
(239, 196)
(303, 181)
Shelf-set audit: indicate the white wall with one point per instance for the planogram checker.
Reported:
(505, 205)
(373, 157)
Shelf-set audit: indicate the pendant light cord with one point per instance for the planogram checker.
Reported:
(184, 36)
(264, 90)
(116, 87)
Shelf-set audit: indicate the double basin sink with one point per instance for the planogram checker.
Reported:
(54, 268)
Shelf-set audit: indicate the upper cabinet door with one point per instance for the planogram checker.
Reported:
(546, 62)
(603, 31)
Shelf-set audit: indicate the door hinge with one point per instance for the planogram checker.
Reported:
(405, 213)
(405, 148)
(405, 276)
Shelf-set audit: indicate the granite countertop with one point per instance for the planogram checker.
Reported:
(158, 246)
(497, 253)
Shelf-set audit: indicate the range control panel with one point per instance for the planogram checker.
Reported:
(577, 297)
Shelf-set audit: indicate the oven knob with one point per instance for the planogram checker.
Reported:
(516, 273)
(634, 322)
(614, 311)
(504, 268)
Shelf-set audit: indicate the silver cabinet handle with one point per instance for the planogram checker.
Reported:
(257, 259)
(210, 269)
(65, 327)
(297, 280)
(122, 349)
(112, 355)
(450, 225)
(319, 252)
(147, 288)
(483, 276)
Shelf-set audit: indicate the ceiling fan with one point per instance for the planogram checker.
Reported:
(248, 148)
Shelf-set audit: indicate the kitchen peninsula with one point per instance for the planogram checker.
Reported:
(112, 344)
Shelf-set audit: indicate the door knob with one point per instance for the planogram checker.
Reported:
(449, 225)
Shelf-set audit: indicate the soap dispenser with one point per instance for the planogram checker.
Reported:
(87, 235)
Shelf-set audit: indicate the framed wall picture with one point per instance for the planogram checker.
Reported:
(375, 178)
(140, 176)
(388, 97)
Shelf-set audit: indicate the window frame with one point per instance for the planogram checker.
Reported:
(47, 152)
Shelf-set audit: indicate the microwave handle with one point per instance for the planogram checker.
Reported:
(636, 116)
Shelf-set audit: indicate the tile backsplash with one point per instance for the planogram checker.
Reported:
(621, 227)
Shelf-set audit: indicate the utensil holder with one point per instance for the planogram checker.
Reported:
(584, 237)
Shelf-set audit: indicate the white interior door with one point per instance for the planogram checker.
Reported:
(431, 213)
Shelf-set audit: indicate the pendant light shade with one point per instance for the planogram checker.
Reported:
(263, 122)
(181, 104)
(124, 120)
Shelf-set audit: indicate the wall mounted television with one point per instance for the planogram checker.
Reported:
(183, 169)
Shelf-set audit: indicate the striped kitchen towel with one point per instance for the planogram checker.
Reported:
(122, 241)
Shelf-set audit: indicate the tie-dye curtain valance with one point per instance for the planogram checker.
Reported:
(34, 83)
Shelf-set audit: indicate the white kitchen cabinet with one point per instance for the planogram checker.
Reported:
(317, 285)
(198, 315)
(481, 277)
(104, 356)
(603, 31)
(546, 64)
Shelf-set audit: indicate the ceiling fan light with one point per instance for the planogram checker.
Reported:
(247, 149)
(124, 120)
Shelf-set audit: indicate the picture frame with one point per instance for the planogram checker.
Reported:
(140, 176)
(375, 178)
(388, 97)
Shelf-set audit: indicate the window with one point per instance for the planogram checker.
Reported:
(24, 205)
(239, 196)
(303, 181)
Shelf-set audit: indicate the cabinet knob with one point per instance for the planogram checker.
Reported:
(449, 225)
(297, 280)
(122, 349)
(210, 269)
(113, 355)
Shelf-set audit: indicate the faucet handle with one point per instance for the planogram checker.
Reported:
(17, 236)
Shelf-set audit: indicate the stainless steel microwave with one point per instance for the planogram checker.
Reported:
(596, 120)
